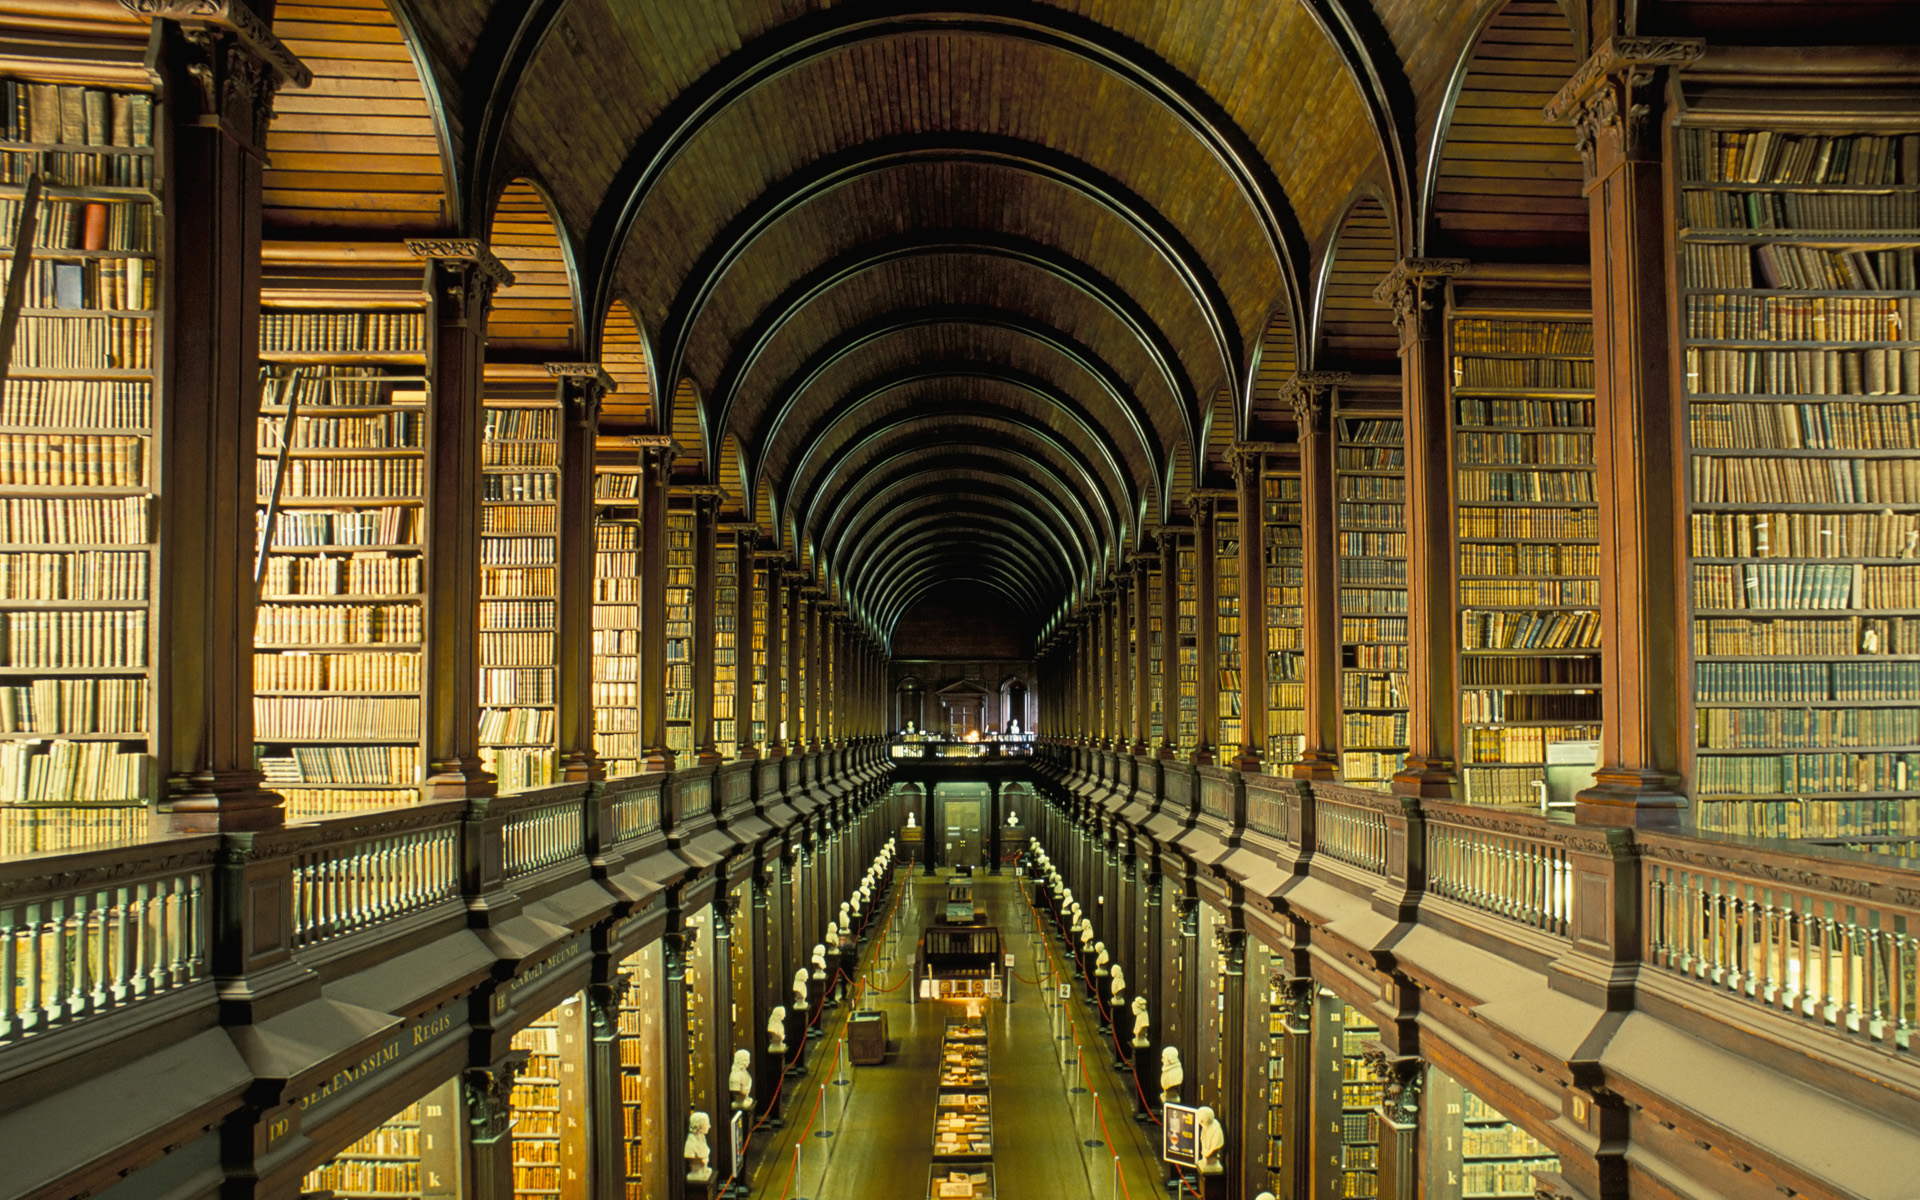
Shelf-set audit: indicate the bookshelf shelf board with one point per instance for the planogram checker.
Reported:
(73, 737)
(86, 312)
(1806, 506)
(79, 805)
(295, 502)
(1558, 356)
(1803, 796)
(1376, 472)
(1823, 657)
(337, 597)
(1850, 610)
(90, 191)
(357, 693)
(1856, 189)
(1803, 293)
(329, 548)
(1530, 652)
(356, 647)
(1789, 344)
(79, 148)
(1464, 391)
(1564, 723)
(1841, 560)
(343, 451)
(330, 410)
(1783, 748)
(1909, 702)
(1724, 452)
(389, 740)
(103, 672)
(1838, 240)
(347, 358)
(1491, 540)
(68, 252)
(70, 605)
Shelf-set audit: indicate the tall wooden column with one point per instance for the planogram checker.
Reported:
(676, 1089)
(1122, 658)
(1103, 606)
(744, 577)
(1169, 642)
(706, 508)
(656, 469)
(1206, 688)
(583, 384)
(1142, 652)
(816, 668)
(464, 275)
(1432, 698)
(1615, 101)
(219, 84)
(1310, 394)
(1253, 610)
(796, 655)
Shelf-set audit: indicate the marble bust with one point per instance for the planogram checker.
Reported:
(697, 1152)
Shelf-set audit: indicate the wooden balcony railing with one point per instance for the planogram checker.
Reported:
(543, 829)
(108, 928)
(1352, 833)
(1518, 872)
(366, 870)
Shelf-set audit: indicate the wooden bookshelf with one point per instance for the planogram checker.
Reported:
(701, 1021)
(761, 582)
(77, 427)
(1799, 292)
(1271, 1062)
(617, 532)
(642, 1050)
(1283, 554)
(519, 549)
(726, 640)
(1360, 1096)
(680, 585)
(1370, 485)
(1226, 593)
(414, 1155)
(1186, 647)
(344, 470)
(1156, 655)
(550, 1118)
(1475, 1152)
(1527, 533)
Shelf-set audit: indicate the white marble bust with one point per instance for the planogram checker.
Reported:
(1172, 1075)
(698, 1154)
(1141, 1020)
(819, 960)
(777, 1030)
(800, 988)
(1102, 964)
(1119, 977)
(740, 1080)
(1212, 1141)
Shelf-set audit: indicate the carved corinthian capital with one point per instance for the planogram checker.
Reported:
(1612, 98)
(586, 385)
(1306, 392)
(1406, 288)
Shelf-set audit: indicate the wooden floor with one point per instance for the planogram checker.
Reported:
(880, 1123)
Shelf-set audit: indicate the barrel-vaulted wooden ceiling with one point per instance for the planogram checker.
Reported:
(953, 291)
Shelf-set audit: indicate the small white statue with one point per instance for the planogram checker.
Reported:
(1119, 984)
(1264, 1196)
(833, 932)
(1211, 1139)
(846, 917)
(1172, 1075)
(1086, 936)
(1013, 820)
(698, 1154)
(740, 1080)
(1140, 1023)
(1101, 963)
(800, 989)
(819, 960)
(777, 1030)
(913, 822)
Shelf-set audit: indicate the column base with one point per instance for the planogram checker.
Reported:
(221, 802)
(1320, 766)
(658, 759)
(707, 756)
(459, 779)
(582, 767)
(1630, 797)
(1425, 778)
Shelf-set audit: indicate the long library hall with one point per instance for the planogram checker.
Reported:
(992, 600)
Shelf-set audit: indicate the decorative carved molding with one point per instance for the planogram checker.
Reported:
(89, 878)
(1400, 1079)
(1612, 98)
(584, 385)
(466, 276)
(1787, 873)
(235, 86)
(467, 250)
(237, 18)
(1306, 393)
(490, 1097)
(1406, 287)
(603, 1005)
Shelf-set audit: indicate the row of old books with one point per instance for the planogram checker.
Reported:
(1371, 516)
(59, 640)
(343, 765)
(1529, 593)
(517, 614)
(371, 478)
(395, 430)
(51, 460)
(1546, 374)
(1800, 636)
(1710, 155)
(517, 551)
(515, 520)
(118, 226)
(517, 685)
(520, 487)
(1805, 682)
(1887, 371)
(517, 454)
(124, 284)
(1529, 558)
(1570, 629)
(392, 623)
(1717, 265)
(94, 404)
(1488, 706)
(359, 332)
(521, 582)
(359, 573)
(1827, 425)
(299, 671)
(389, 525)
(1746, 479)
(33, 830)
(1804, 585)
(1373, 572)
(71, 772)
(57, 114)
(1738, 318)
(1520, 743)
(116, 707)
(349, 385)
(517, 726)
(1793, 774)
(1523, 448)
(1370, 487)
(83, 343)
(1373, 629)
(85, 575)
(1883, 534)
(331, 718)
(1522, 671)
(1811, 728)
(518, 649)
(1527, 413)
(1704, 211)
(1574, 486)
